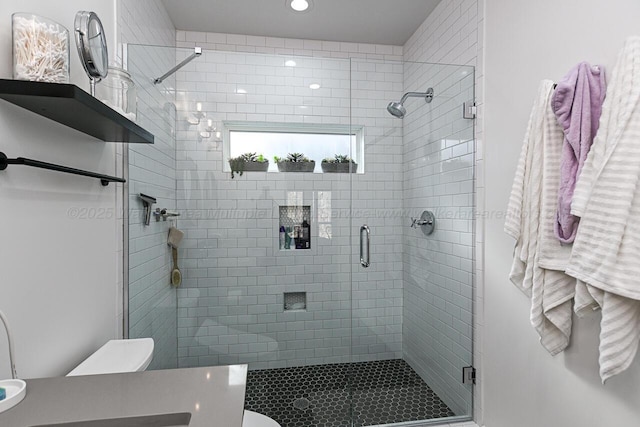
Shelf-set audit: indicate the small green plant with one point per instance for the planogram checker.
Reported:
(339, 163)
(248, 157)
(277, 159)
(295, 162)
(296, 158)
(238, 163)
(338, 158)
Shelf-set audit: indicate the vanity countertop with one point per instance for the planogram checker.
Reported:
(214, 396)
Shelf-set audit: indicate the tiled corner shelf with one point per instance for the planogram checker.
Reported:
(73, 107)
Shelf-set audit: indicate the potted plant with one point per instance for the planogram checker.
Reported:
(339, 164)
(295, 162)
(248, 162)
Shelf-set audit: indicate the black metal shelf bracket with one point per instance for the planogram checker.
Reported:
(104, 179)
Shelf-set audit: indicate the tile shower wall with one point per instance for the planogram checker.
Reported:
(438, 270)
(231, 307)
(152, 302)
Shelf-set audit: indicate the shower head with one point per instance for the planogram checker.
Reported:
(396, 109)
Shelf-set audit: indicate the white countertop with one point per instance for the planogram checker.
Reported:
(214, 396)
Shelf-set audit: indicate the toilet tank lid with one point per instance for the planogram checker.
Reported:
(118, 356)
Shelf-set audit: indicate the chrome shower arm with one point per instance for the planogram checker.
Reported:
(412, 95)
(428, 95)
(197, 51)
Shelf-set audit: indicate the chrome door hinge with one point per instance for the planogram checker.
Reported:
(469, 375)
(469, 110)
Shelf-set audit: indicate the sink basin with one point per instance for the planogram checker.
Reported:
(180, 419)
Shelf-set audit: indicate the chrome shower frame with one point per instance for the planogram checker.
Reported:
(197, 51)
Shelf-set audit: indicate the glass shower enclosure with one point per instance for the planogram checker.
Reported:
(313, 273)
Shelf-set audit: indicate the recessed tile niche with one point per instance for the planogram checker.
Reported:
(295, 301)
(294, 228)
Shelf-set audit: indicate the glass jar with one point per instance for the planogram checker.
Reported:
(118, 91)
(40, 49)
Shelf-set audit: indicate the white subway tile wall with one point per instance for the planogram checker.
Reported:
(152, 302)
(443, 305)
(438, 163)
(231, 307)
(234, 274)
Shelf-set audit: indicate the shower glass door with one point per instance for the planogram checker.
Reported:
(275, 164)
(412, 305)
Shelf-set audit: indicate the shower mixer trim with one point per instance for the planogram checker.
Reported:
(427, 222)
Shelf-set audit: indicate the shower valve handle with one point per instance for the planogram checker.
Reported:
(415, 222)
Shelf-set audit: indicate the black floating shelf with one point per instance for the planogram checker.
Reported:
(73, 107)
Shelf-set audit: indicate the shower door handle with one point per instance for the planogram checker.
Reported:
(367, 232)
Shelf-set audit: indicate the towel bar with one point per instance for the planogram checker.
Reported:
(104, 179)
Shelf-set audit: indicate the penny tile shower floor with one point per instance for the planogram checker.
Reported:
(384, 392)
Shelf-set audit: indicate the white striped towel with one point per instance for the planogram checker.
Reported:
(607, 198)
(539, 258)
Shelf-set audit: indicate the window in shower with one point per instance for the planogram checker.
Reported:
(315, 141)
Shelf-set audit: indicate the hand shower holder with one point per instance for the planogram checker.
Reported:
(163, 214)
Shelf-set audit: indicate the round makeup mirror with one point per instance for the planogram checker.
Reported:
(92, 46)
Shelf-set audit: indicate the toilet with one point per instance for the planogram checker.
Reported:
(253, 419)
(117, 356)
(135, 355)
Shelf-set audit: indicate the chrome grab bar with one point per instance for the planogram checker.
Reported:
(366, 263)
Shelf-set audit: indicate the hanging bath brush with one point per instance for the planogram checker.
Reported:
(176, 275)
(175, 237)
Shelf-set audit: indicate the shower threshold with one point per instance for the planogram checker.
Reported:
(383, 393)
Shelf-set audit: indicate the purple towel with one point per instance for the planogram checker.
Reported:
(577, 104)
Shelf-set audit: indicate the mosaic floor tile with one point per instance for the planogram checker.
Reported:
(383, 392)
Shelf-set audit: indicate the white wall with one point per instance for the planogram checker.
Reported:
(525, 42)
(59, 271)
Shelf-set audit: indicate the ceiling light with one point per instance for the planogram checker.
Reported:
(290, 63)
(314, 86)
(299, 5)
(241, 91)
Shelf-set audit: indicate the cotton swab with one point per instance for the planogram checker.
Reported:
(40, 50)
